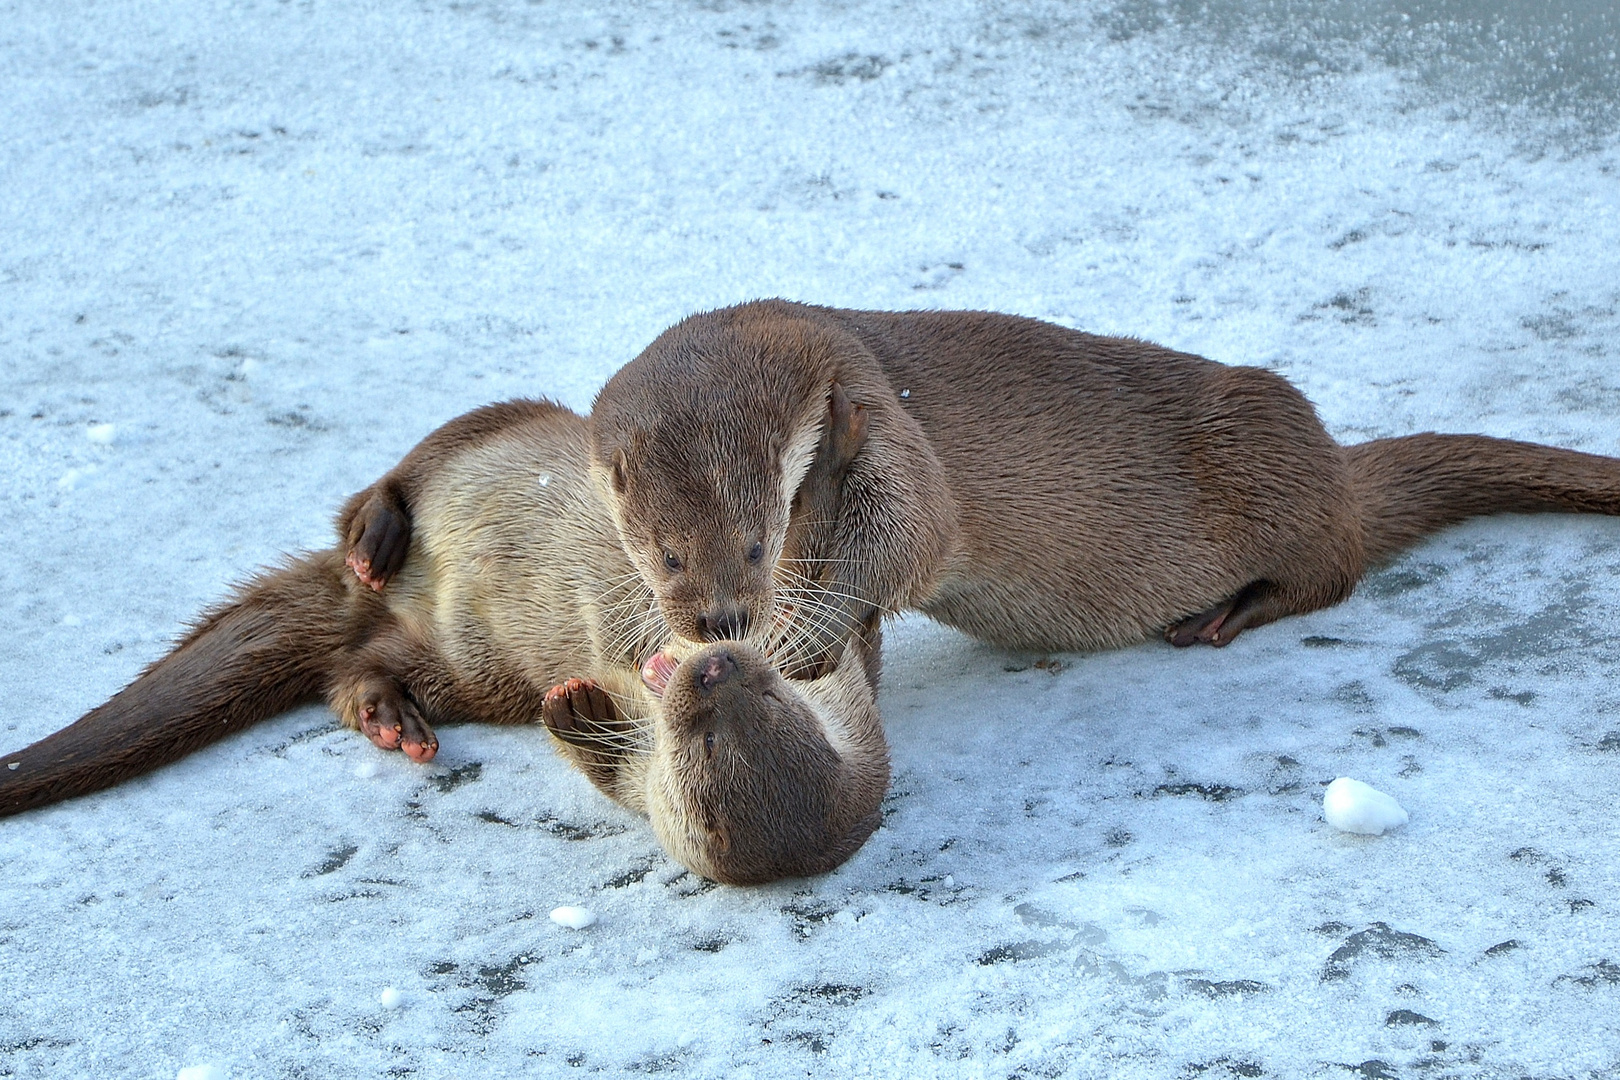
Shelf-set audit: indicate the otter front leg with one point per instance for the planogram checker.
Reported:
(591, 731)
(377, 707)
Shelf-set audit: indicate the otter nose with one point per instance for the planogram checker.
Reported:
(715, 669)
(722, 624)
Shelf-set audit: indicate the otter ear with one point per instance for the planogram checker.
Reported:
(846, 428)
(620, 470)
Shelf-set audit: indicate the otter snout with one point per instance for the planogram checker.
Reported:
(728, 623)
(714, 670)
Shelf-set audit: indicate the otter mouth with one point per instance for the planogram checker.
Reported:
(657, 671)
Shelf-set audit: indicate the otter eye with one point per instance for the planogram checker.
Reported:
(708, 743)
(755, 552)
(671, 562)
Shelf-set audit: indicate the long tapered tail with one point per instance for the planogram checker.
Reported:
(1411, 486)
(257, 655)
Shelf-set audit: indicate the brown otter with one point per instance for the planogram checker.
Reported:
(513, 581)
(1035, 486)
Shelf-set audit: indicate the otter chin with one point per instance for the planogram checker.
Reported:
(750, 778)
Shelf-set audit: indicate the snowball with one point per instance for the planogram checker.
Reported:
(102, 433)
(1351, 806)
(366, 769)
(575, 918)
(390, 998)
(200, 1072)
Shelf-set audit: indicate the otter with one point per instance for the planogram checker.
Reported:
(1035, 486)
(508, 599)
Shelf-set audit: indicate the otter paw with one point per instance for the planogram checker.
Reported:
(580, 711)
(379, 536)
(1203, 628)
(1253, 605)
(392, 721)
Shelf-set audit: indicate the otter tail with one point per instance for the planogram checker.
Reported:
(259, 654)
(1411, 486)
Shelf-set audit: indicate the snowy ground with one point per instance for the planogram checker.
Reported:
(250, 252)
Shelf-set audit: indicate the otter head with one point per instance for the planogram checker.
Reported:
(752, 778)
(699, 446)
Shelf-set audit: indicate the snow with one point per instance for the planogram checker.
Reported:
(1354, 806)
(274, 244)
(573, 916)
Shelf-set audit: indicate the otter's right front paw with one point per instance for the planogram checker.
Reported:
(580, 711)
(593, 733)
(379, 535)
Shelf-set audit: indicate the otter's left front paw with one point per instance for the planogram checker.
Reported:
(378, 538)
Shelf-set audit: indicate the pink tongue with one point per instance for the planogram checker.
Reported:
(657, 671)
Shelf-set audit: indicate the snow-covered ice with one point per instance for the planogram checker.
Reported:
(1351, 805)
(274, 244)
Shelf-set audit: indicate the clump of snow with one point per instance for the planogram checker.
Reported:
(573, 917)
(103, 434)
(200, 1072)
(390, 998)
(1352, 806)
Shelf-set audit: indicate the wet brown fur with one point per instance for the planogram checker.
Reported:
(1033, 485)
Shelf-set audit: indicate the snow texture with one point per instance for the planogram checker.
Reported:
(254, 250)
(1357, 807)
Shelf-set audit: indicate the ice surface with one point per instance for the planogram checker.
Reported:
(1354, 806)
(274, 244)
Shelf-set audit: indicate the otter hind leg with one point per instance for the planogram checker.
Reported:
(385, 714)
(594, 734)
(1256, 604)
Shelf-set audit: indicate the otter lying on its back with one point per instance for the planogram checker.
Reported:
(511, 602)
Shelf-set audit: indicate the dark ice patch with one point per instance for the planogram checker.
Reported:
(336, 859)
(1373, 1069)
(451, 779)
(807, 913)
(1379, 940)
(1228, 988)
(634, 875)
(1401, 579)
(838, 70)
(1223, 1066)
(1209, 792)
(568, 830)
(1408, 1018)
(1018, 951)
(1030, 915)
(1603, 973)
